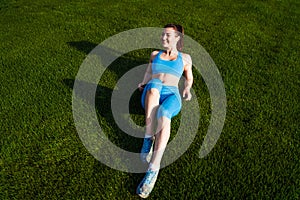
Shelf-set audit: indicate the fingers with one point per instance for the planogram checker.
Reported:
(141, 86)
(187, 95)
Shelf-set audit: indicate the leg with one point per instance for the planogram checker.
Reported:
(147, 184)
(161, 141)
(168, 109)
(151, 105)
(150, 102)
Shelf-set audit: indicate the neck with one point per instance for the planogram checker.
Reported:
(171, 51)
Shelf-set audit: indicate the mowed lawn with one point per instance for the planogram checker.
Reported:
(255, 45)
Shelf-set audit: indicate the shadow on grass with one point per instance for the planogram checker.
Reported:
(84, 46)
(103, 102)
(111, 129)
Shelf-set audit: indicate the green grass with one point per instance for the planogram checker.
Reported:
(255, 45)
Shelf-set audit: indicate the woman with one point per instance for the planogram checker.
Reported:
(161, 99)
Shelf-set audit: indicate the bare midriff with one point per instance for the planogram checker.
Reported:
(167, 79)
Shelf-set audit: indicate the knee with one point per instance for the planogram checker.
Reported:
(148, 121)
(162, 112)
(153, 92)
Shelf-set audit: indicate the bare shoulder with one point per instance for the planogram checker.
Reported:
(187, 60)
(153, 54)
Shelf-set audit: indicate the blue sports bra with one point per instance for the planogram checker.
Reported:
(174, 67)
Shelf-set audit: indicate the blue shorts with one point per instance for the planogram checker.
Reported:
(169, 101)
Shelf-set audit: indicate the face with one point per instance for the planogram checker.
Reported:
(169, 38)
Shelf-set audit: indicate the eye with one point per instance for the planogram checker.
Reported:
(167, 34)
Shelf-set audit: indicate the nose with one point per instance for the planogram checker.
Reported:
(164, 36)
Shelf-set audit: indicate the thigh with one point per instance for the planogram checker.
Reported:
(153, 84)
(170, 106)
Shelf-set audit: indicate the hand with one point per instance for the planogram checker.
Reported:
(186, 94)
(141, 86)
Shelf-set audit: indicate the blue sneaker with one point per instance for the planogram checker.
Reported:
(145, 187)
(147, 149)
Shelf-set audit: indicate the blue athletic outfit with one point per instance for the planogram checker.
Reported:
(170, 99)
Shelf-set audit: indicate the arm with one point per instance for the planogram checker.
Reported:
(148, 73)
(188, 73)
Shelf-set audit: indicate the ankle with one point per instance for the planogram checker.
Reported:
(154, 167)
